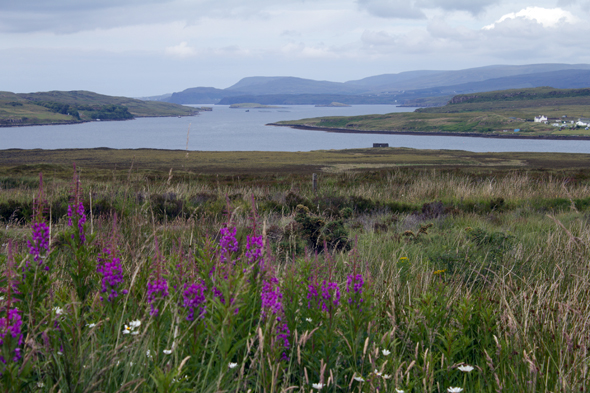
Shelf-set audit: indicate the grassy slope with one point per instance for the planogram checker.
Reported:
(483, 113)
(11, 114)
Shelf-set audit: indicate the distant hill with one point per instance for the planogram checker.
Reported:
(58, 107)
(421, 88)
(416, 80)
(515, 99)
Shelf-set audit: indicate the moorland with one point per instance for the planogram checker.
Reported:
(401, 270)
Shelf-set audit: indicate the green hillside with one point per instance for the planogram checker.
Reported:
(490, 113)
(58, 107)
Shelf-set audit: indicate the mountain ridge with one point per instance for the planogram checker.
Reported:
(397, 88)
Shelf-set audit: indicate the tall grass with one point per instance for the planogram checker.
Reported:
(221, 286)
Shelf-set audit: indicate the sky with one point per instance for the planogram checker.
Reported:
(141, 48)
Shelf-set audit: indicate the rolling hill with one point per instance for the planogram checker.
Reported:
(420, 88)
(58, 107)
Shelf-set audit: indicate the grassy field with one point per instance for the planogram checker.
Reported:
(437, 270)
(189, 165)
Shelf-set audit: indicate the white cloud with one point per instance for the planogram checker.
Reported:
(181, 50)
(548, 17)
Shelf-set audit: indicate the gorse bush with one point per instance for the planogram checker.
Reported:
(145, 294)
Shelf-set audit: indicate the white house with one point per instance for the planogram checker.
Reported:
(541, 119)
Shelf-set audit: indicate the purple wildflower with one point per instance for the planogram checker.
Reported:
(40, 242)
(330, 296)
(254, 247)
(228, 243)
(219, 294)
(80, 220)
(157, 288)
(271, 299)
(112, 273)
(194, 299)
(355, 284)
(11, 324)
(272, 306)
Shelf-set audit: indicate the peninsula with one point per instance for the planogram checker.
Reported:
(70, 107)
(518, 113)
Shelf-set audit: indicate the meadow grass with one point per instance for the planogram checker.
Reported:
(384, 280)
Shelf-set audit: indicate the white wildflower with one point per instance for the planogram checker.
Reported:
(40, 384)
(167, 351)
(466, 368)
(387, 376)
(385, 352)
(454, 390)
(131, 328)
(317, 386)
(91, 325)
(59, 353)
(308, 319)
(232, 365)
(358, 378)
(58, 310)
(135, 324)
(377, 373)
(399, 391)
(148, 353)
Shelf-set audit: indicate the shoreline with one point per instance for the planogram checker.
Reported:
(66, 123)
(430, 133)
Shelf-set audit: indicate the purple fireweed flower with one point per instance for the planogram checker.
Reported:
(81, 220)
(354, 284)
(219, 294)
(11, 324)
(272, 306)
(329, 296)
(40, 242)
(254, 247)
(272, 299)
(194, 299)
(109, 266)
(157, 288)
(228, 243)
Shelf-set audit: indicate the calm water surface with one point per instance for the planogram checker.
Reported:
(225, 129)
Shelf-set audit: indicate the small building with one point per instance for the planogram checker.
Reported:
(380, 144)
(541, 119)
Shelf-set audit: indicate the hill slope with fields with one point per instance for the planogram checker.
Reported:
(497, 113)
(59, 107)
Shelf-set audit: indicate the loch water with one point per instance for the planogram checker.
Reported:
(226, 129)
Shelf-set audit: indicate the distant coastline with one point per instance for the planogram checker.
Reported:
(432, 133)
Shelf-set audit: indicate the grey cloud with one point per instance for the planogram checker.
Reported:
(391, 9)
(69, 16)
(413, 9)
(60, 6)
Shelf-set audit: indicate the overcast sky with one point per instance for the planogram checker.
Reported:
(150, 47)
